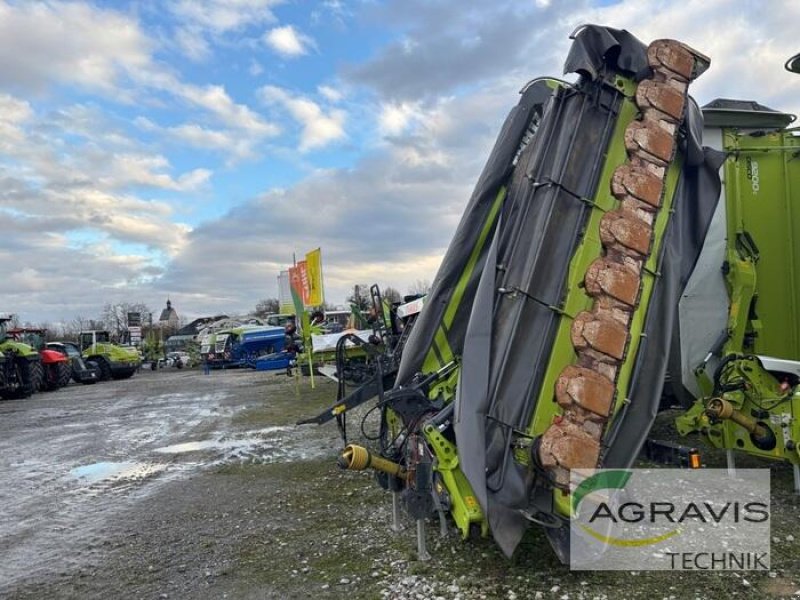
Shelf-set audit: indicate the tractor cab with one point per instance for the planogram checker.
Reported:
(90, 338)
(27, 335)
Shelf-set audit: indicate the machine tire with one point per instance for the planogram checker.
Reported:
(51, 376)
(127, 374)
(21, 384)
(105, 369)
(64, 374)
(36, 375)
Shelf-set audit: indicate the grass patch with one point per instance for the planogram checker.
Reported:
(287, 400)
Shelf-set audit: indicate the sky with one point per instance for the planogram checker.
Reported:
(187, 148)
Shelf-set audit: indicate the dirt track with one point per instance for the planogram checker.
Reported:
(179, 485)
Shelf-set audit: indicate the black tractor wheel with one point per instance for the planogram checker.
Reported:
(19, 382)
(105, 369)
(52, 377)
(127, 374)
(36, 374)
(64, 374)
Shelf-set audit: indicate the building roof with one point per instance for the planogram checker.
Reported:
(168, 314)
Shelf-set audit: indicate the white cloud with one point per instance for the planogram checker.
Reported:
(438, 95)
(224, 15)
(216, 100)
(288, 41)
(68, 43)
(43, 44)
(746, 62)
(60, 176)
(394, 118)
(330, 93)
(255, 69)
(202, 24)
(318, 127)
(120, 171)
(226, 142)
(193, 43)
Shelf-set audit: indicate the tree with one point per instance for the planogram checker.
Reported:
(114, 317)
(267, 306)
(420, 286)
(360, 296)
(392, 295)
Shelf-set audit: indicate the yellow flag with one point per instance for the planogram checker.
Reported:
(316, 296)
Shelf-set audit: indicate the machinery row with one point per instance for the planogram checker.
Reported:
(28, 364)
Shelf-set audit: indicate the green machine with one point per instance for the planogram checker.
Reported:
(745, 292)
(619, 237)
(114, 361)
(20, 366)
(551, 314)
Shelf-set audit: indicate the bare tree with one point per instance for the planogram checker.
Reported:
(114, 317)
(392, 294)
(420, 286)
(267, 306)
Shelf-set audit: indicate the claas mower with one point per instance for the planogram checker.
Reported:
(579, 280)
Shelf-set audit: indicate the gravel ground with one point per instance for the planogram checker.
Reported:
(178, 485)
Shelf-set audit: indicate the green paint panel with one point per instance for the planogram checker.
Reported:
(762, 177)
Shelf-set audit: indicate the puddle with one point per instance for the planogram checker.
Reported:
(102, 471)
(191, 447)
(265, 445)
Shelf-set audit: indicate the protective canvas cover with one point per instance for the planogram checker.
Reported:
(504, 318)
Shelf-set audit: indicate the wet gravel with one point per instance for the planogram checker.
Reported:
(179, 485)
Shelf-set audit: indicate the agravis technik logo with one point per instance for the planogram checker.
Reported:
(670, 519)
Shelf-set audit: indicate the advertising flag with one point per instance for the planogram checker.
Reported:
(285, 293)
(303, 274)
(296, 282)
(313, 262)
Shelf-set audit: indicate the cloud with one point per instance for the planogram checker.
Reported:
(216, 100)
(120, 171)
(60, 280)
(228, 143)
(330, 93)
(71, 43)
(387, 218)
(746, 62)
(287, 41)
(105, 51)
(447, 46)
(76, 182)
(318, 127)
(93, 187)
(193, 44)
(222, 16)
(395, 117)
(255, 69)
(203, 24)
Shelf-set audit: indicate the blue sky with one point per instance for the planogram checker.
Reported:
(176, 148)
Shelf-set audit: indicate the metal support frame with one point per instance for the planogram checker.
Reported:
(731, 463)
(422, 549)
(796, 469)
(396, 526)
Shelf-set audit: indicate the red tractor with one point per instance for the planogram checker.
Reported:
(56, 370)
